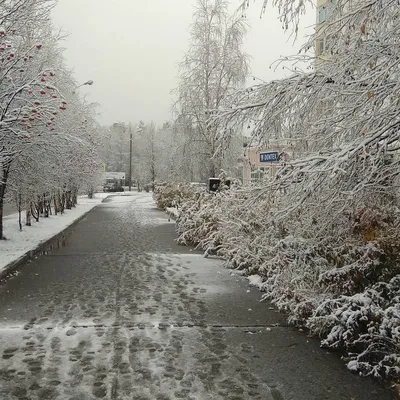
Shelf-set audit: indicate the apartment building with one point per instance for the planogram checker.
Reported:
(262, 164)
(324, 8)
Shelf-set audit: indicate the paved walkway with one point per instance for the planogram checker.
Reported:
(120, 312)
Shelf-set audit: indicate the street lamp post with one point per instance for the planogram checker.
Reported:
(87, 83)
(130, 158)
(139, 129)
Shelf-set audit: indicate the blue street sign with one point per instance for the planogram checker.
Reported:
(271, 156)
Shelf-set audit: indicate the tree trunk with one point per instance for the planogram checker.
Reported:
(68, 200)
(212, 169)
(35, 211)
(39, 206)
(28, 215)
(74, 199)
(153, 176)
(61, 198)
(45, 206)
(63, 201)
(3, 185)
(49, 201)
(1, 211)
(58, 203)
(20, 211)
(55, 204)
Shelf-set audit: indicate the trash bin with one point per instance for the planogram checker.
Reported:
(214, 184)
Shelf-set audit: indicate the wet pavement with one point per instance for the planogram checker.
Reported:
(120, 312)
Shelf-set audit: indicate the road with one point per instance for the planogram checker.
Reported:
(118, 311)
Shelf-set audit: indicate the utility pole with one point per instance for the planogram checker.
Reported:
(130, 158)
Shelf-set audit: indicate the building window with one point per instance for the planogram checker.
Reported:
(322, 13)
(259, 174)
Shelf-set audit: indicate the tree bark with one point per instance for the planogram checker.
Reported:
(74, 199)
(28, 215)
(35, 212)
(64, 202)
(1, 211)
(20, 211)
(55, 204)
(3, 185)
(49, 201)
(68, 201)
(45, 206)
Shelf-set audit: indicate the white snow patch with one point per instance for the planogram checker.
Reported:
(255, 280)
(172, 211)
(145, 206)
(353, 365)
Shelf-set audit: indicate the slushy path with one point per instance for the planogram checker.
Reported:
(121, 312)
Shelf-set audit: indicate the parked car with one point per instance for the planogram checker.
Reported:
(113, 185)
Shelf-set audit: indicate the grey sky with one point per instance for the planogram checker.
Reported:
(131, 48)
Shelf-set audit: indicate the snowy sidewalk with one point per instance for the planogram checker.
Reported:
(123, 312)
(20, 243)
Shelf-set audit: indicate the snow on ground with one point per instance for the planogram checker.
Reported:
(172, 211)
(256, 280)
(19, 243)
(143, 202)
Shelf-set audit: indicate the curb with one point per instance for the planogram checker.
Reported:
(31, 254)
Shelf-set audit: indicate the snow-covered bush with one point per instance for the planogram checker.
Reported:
(172, 194)
(336, 237)
(367, 326)
(198, 222)
(309, 275)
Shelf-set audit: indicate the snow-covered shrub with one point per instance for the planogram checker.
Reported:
(172, 194)
(311, 265)
(324, 234)
(198, 222)
(367, 326)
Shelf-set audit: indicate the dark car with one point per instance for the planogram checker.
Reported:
(113, 185)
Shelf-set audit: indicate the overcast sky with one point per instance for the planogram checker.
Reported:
(131, 48)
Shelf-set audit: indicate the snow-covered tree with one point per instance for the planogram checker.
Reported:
(46, 131)
(57, 165)
(342, 117)
(24, 81)
(214, 65)
(176, 161)
(116, 148)
(146, 155)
